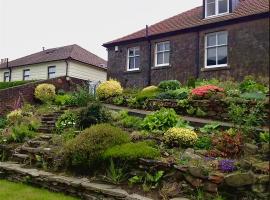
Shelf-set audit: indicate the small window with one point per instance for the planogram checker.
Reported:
(26, 74)
(216, 50)
(133, 61)
(216, 7)
(51, 72)
(162, 51)
(6, 77)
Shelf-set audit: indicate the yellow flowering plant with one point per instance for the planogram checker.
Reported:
(180, 136)
(109, 89)
(45, 92)
(14, 116)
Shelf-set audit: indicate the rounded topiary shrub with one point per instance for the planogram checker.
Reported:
(45, 92)
(85, 151)
(169, 85)
(180, 136)
(151, 88)
(108, 89)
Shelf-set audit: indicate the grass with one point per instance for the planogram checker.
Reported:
(11, 191)
(5, 85)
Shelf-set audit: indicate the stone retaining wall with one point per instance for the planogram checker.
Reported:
(78, 187)
(9, 96)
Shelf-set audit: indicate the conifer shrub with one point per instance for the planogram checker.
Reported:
(45, 92)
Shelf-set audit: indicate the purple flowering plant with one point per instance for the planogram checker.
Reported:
(227, 165)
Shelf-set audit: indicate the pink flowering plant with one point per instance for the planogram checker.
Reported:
(206, 91)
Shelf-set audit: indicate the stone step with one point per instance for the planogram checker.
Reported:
(36, 143)
(46, 136)
(31, 150)
(45, 130)
(20, 158)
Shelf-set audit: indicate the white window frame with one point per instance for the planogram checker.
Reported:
(216, 46)
(134, 56)
(6, 78)
(216, 9)
(49, 73)
(156, 52)
(26, 77)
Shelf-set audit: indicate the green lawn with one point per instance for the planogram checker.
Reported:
(13, 191)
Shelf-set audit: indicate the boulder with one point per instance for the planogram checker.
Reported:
(190, 154)
(195, 182)
(210, 187)
(250, 149)
(239, 179)
(198, 172)
(216, 177)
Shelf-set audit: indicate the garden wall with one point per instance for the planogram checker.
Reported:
(11, 96)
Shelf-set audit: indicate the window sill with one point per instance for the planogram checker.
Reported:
(216, 16)
(160, 67)
(132, 71)
(215, 68)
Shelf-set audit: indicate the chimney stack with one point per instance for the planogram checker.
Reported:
(43, 48)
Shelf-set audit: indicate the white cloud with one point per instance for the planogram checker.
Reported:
(28, 25)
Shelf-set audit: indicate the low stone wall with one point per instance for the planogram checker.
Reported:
(78, 187)
(9, 96)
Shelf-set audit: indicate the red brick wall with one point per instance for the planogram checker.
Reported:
(8, 97)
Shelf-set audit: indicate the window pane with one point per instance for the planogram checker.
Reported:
(211, 56)
(222, 55)
(51, 69)
(210, 1)
(167, 46)
(137, 52)
(27, 73)
(160, 47)
(131, 52)
(211, 40)
(210, 9)
(159, 58)
(166, 57)
(222, 38)
(222, 6)
(131, 63)
(52, 75)
(137, 62)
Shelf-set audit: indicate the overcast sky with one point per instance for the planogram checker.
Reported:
(28, 25)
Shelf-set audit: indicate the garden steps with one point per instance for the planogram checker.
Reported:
(195, 121)
(75, 186)
(20, 158)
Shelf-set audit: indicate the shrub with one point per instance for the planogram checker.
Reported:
(94, 113)
(63, 100)
(20, 133)
(160, 120)
(14, 116)
(228, 145)
(169, 85)
(108, 89)
(3, 122)
(86, 150)
(67, 120)
(150, 88)
(259, 96)
(180, 136)
(250, 85)
(119, 100)
(128, 121)
(174, 94)
(81, 97)
(205, 91)
(265, 137)
(131, 152)
(146, 94)
(45, 92)
(203, 142)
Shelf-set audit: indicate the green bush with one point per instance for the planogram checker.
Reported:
(63, 100)
(5, 85)
(131, 152)
(86, 150)
(67, 120)
(203, 142)
(169, 85)
(146, 94)
(250, 85)
(94, 113)
(160, 120)
(20, 133)
(174, 94)
(128, 121)
(265, 137)
(259, 96)
(81, 97)
(3, 122)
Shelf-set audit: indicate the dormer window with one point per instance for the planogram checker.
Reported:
(216, 7)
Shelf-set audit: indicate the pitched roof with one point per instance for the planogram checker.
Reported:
(193, 18)
(73, 52)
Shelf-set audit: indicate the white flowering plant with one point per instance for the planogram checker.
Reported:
(67, 120)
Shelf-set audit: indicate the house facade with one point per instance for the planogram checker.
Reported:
(224, 39)
(72, 61)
